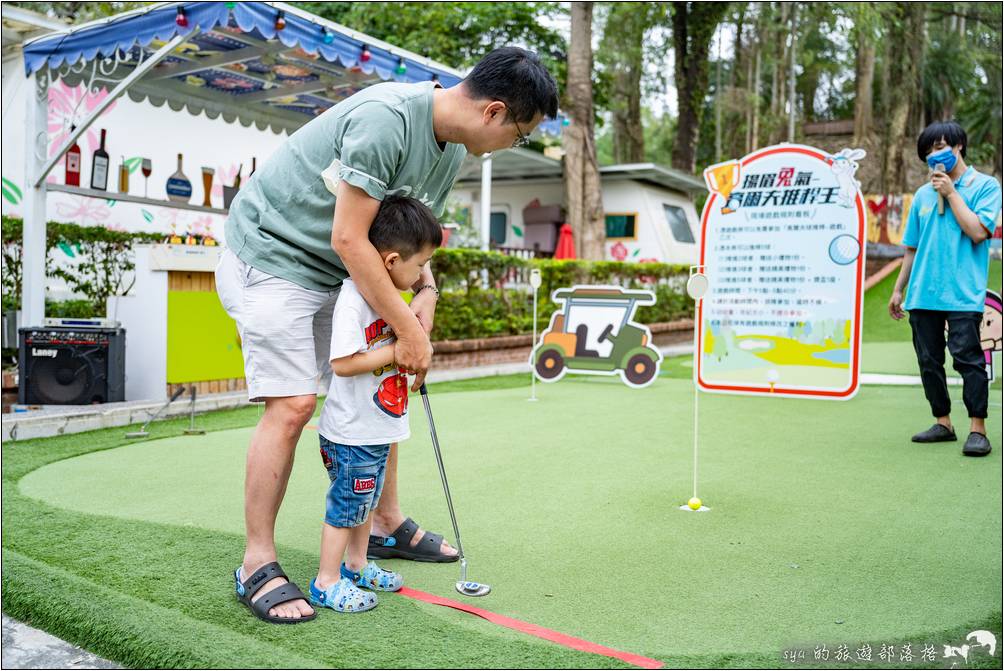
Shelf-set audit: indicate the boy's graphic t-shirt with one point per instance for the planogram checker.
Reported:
(370, 408)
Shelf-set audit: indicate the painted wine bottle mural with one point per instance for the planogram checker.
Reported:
(73, 163)
(99, 166)
(179, 188)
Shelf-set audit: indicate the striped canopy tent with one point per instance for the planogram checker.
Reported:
(262, 63)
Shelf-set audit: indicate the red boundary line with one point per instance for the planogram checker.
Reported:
(535, 630)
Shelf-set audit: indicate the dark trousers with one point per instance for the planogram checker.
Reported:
(967, 358)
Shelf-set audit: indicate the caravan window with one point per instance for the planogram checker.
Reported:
(499, 227)
(621, 224)
(678, 224)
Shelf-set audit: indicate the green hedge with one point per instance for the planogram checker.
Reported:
(104, 263)
(467, 309)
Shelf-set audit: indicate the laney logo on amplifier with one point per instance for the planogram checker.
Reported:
(48, 353)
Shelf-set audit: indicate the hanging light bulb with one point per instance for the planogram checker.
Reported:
(280, 20)
(402, 67)
(329, 36)
(181, 19)
(365, 55)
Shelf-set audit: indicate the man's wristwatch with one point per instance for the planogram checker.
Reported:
(430, 287)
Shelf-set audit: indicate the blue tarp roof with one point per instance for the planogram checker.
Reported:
(240, 65)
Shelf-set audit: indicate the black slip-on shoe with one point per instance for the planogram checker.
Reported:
(977, 445)
(936, 434)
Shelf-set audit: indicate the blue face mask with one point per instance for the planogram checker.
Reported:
(945, 157)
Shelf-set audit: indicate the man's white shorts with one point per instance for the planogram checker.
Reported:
(285, 329)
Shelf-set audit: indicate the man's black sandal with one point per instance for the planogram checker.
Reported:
(246, 590)
(398, 545)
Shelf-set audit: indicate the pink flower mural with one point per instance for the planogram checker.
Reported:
(201, 225)
(66, 107)
(225, 174)
(619, 251)
(85, 211)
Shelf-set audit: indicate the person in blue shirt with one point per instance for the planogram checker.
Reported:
(947, 240)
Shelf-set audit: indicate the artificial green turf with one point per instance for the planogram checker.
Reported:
(822, 511)
(155, 594)
(877, 325)
(152, 595)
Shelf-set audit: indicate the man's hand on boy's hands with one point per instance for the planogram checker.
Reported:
(424, 307)
(413, 352)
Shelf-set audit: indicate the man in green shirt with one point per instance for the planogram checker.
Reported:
(300, 226)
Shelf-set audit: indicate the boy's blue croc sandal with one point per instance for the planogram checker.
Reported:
(245, 591)
(343, 597)
(374, 577)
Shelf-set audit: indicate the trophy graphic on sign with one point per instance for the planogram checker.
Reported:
(722, 178)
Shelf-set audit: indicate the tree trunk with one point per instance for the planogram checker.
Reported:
(623, 48)
(693, 25)
(757, 66)
(582, 177)
(906, 28)
(755, 103)
(718, 104)
(864, 74)
(779, 71)
(737, 49)
(792, 54)
(752, 91)
(629, 135)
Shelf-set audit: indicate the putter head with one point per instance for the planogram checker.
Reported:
(471, 588)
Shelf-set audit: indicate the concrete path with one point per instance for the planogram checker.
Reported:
(25, 647)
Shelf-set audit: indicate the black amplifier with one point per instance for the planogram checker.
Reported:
(70, 365)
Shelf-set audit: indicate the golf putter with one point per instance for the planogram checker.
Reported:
(464, 586)
(191, 430)
(143, 433)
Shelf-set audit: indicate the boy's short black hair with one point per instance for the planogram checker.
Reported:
(406, 226)
(953, 133)
(516, 77)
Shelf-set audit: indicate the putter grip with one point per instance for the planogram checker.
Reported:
(423, 391)
(175, 395)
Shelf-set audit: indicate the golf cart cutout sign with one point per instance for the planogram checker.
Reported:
(781, 244)
(593, 333)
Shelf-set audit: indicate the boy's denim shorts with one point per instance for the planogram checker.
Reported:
(356, 473)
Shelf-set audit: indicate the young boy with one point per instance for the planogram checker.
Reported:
(366, 410)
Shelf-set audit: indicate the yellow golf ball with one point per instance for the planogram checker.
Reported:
(694, 503)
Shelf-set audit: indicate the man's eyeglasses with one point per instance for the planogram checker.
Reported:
(522, 140)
